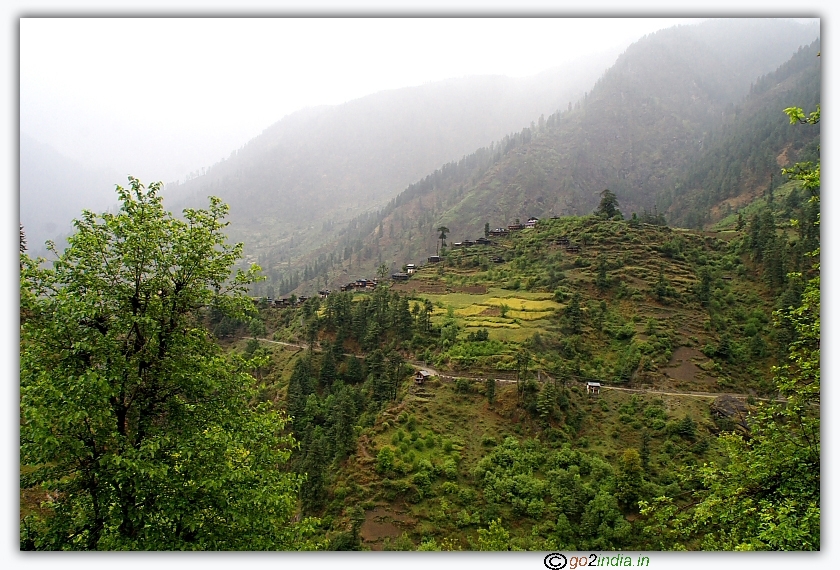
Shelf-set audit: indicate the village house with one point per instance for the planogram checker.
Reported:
(410, 268)
(399, 276)
(593, 388)
(421, 376)
(434, 259)
(532, 222)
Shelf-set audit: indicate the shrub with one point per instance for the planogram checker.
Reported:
(450, 469)
(385, 460)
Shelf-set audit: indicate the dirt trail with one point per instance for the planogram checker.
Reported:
(451, 378)
(709, 395)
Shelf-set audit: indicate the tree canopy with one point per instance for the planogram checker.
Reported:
(608, 207)
(140, 433)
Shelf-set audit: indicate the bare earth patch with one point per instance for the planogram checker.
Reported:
(682, 369)
(380, 523)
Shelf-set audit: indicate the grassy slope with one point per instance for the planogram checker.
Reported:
(456, 426)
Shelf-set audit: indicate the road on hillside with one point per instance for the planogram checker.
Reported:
(451, 378)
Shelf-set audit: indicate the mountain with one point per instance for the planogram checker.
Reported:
(46, 211)
(742, 157)
(658, 112)
(322, 166)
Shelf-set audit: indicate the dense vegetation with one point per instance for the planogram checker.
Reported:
(136, 431)
(548, 466)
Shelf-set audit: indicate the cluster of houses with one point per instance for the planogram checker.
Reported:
(410, 268)
(285, 301)
(531, 223)
(360, 285)
(470, 243)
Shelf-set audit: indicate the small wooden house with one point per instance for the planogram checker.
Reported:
(399, 276)
(434, 259)
(410, 268)
(593, 388)
(532, 222)
(421, 376)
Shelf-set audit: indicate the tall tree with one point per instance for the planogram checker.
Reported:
(442, 232)
(608, 207)
(138, 428)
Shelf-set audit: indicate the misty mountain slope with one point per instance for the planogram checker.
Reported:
(324, 165)
(46, 211)
(639, 130)
(743, 157)
(641, 126)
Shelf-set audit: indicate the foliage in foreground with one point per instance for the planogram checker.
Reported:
(139, 431)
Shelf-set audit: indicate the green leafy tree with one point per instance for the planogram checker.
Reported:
(328, 372)
(523, 361)
(139, 430)
(601, 280)
(257, 327)
(494, 538)
(490, 389)
(628, 482)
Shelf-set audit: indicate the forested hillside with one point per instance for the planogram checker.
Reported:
(657, 114)
(741, 158)
(315, 169)
(503, 447)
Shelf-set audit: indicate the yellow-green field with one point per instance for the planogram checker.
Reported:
(524, 312)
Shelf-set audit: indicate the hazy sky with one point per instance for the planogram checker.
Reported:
(159, 98)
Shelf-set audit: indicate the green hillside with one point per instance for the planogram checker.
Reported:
(665, 320)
